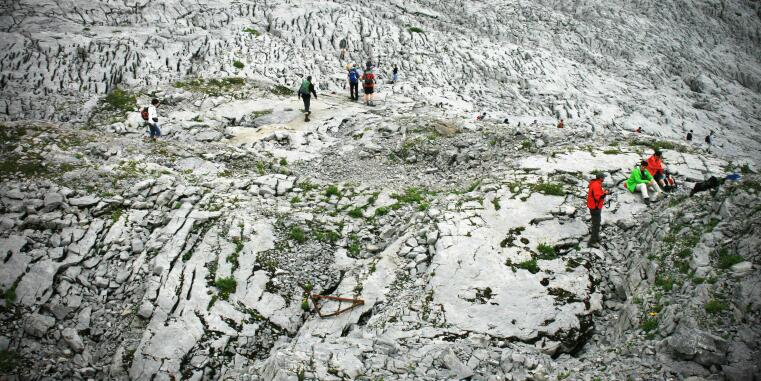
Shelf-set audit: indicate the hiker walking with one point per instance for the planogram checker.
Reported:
(640, 179)
(395, 74)
(151, 117)
(354, 82)
(368, 83)
(689, 136)
(655, 167)
(595, 202)
(343, 45)
(305, 93)
(708, 138)
(561, 124)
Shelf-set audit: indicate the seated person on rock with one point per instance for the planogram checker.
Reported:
(655, 167)
(640, 179)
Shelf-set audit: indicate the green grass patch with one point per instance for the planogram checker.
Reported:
(495, 202)
(354, 246)
(414, 29)
(297, 234)
(727, 260)
(238, 64)
(551, 189)
(120, 100)
(664, 282)
(355, 213)
(226, 286)
(614, 151)
(546, 252)
(307, 186)
(326, 235)
(252, 32)
(411, 195)
(381, 211)
(715, 306)
(282, 90)
(529, 265)
(332, 190)
(213, 87)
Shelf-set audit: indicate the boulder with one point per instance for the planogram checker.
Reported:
(695, 345)
(38, 325)
(72, 339)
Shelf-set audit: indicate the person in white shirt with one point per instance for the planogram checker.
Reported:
(153, 119)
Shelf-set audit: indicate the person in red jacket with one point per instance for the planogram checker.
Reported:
(655, 167)
(595, 203)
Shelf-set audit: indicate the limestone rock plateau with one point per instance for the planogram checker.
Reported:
(196, 256)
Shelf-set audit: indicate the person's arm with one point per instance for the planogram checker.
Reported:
(311, 89)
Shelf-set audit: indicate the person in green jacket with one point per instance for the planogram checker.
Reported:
(640, 179)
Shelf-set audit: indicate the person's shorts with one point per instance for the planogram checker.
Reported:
(368, 90)
(658, 176)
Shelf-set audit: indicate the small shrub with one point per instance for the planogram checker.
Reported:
(332, 190)
(414, 29)
(664, 282)
(355, 213)
(381, 211)
(529, 265)
(546, 251)
(715, 306)
(496, 204)
(226, 286)
(649, 324)
(238, 64)
(283, 162)
(297, 234)
(305, 305)
(295, 200)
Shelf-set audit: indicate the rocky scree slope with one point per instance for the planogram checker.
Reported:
(659, 65)
(193, 257)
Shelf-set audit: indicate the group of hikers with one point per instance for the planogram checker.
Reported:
(367, 77)
(647, 176)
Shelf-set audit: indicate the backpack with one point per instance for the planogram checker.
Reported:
(144, 113)
(369, 78)
(304, 89)
(353, 76)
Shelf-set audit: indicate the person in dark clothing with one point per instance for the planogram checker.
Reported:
(689, 136)
(395, 74)
(595, 203)
(354, 82)
(708, 138)
(305, 93)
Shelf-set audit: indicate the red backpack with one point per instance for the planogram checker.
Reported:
(144, 113)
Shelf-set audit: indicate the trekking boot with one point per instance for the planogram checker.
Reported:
(647, 201)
